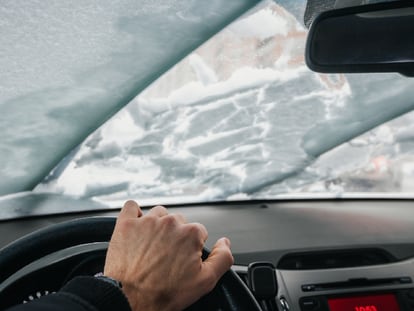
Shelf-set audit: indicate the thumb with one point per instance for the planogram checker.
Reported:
(219, 261)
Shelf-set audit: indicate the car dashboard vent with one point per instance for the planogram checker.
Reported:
(335, 259)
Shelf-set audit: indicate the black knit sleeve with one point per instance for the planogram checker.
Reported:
(81, 294)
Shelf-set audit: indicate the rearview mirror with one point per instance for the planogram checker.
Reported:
(370, 38)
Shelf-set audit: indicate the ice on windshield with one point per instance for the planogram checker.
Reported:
(243, 117)
(68, 66)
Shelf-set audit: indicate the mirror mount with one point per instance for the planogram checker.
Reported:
(369, 38)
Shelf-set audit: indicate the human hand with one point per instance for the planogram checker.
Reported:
(157, 258)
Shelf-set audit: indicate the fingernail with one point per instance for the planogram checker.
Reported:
(130, 203)
(226, 241)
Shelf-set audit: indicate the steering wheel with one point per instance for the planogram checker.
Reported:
(41, 262)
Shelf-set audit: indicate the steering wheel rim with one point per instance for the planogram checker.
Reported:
(54, 238)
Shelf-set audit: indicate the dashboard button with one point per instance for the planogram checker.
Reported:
(308, 288)
(309, 304)
(405, 280)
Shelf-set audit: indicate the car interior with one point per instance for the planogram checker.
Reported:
(319, 210)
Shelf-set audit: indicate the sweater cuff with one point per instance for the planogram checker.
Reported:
(102, 295)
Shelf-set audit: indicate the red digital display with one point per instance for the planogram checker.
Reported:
(386, 302)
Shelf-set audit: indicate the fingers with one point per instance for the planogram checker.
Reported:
(161, 211)
(219, 261)
(158, 211)
(131, 209)
(202, 229)
(180, 218)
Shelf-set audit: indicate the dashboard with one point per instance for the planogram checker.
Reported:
(325, 255)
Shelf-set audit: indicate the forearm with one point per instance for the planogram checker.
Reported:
(80, 294)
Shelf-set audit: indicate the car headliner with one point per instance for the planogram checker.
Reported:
(68, 67)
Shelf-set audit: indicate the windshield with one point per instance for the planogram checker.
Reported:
(241, 118)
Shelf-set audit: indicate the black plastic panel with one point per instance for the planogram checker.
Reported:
(268, 232)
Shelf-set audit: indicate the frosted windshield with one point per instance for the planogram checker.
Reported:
(241, 118)
(67, 66)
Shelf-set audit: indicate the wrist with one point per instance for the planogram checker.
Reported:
(98, 293)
